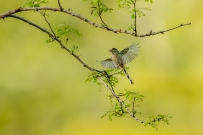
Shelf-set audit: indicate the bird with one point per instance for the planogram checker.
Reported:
(120, 59)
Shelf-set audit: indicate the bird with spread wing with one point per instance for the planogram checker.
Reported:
(120, 59)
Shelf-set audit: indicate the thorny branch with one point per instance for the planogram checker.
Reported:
(84, 65)
(151, 33)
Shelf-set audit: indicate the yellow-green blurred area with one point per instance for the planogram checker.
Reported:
(43, 89)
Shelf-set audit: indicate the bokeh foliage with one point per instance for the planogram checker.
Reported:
(41, 92)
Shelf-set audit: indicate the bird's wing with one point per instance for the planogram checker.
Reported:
(129, 53)
(108, 63)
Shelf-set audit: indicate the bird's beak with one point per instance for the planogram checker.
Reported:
(110, 50)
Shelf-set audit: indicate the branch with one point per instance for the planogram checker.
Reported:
(44, 15)
(162, 32)
(84, 65)
(6, 14)
(134, 106)
(116, 73)
(60, 5)
(108, 79)
(100, 13)
(58, 40)
(120, 101)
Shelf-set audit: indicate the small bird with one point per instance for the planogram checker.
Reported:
(120, 59)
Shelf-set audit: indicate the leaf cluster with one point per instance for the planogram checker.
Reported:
(34, 3)
(74, 48)
(98, 7)
(65, 29)
(129, 6)
(131, 100)
(107, 76)
(155, 120)
(116, 111)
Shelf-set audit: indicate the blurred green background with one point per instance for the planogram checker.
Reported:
(43, 89)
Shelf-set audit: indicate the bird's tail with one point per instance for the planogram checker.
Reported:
(131, 81)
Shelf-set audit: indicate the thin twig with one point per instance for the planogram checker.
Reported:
(58, 40)
(134, 106)
(135, 23)
(116, 73)
(108, 79)
(60, 5)
(121, 102)
(44, 15)
(113, 94)
(6, 14)
(100, 13)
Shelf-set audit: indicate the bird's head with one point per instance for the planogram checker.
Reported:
(113, 50)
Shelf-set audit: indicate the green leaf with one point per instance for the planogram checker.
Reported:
(65, 29)
(155, 120)
(140, 13)
(74, 48)
(128, 5)
(98, 7)
(149, 1)
(49, 40)
(133, 16)
(34, 3)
